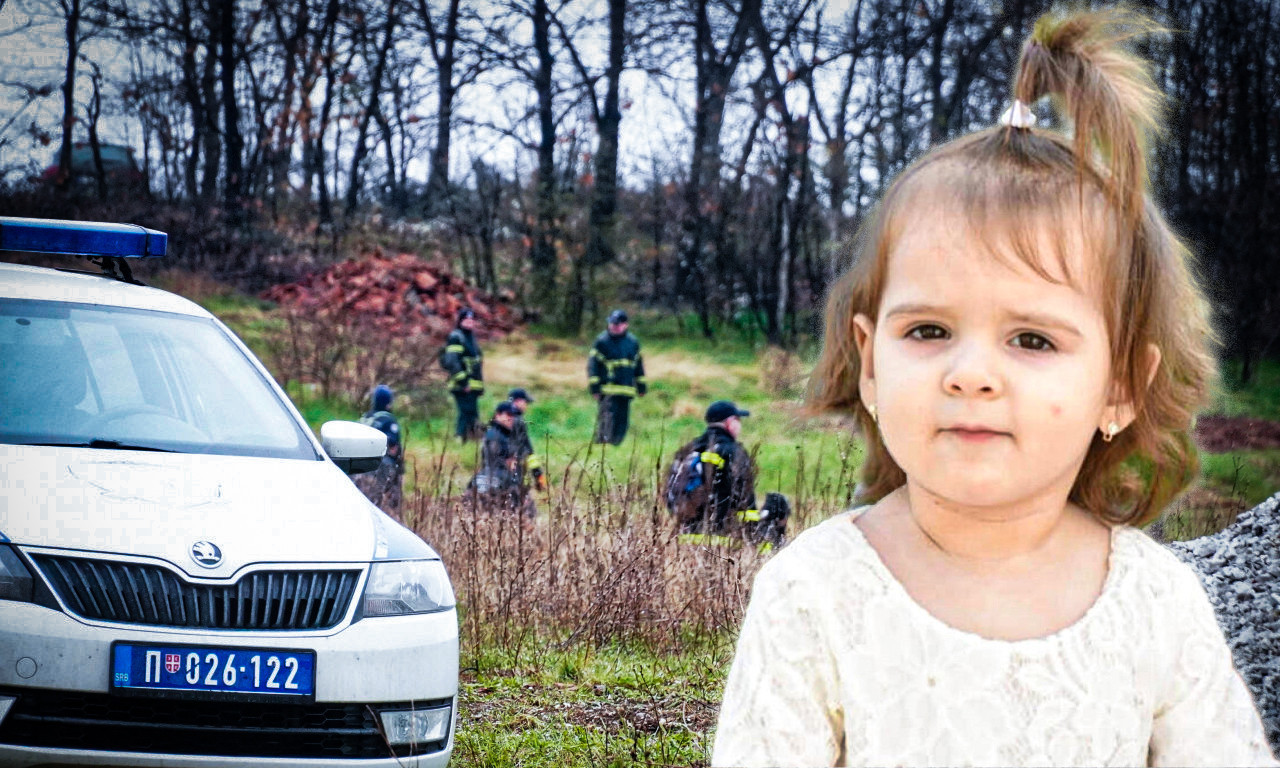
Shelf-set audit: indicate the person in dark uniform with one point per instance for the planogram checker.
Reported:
(497, 483)
(464, 362)
(384, 485)
(615, 375)
(726, 505)
(530, 465)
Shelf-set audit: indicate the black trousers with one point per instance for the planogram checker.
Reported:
(613, 416)
(468, 426)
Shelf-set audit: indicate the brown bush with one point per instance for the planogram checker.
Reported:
(600, 564)
(341, 358)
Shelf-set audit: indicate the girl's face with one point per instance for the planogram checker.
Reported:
(989, 380)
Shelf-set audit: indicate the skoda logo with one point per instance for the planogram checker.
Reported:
(206, 553)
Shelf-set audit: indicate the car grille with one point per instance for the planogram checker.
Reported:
(134, 593)
(54, 719)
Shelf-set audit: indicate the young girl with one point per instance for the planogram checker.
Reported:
(1023, 342)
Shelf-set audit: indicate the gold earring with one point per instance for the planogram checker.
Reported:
(871, 409)
(1109, 434)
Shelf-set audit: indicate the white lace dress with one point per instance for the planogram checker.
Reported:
(838, 665)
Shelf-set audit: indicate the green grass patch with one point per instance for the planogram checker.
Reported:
(612, 706)
(1259, 399)
(1248, 476)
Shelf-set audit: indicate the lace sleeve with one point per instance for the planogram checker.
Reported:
(1208, 716)
(780, 704)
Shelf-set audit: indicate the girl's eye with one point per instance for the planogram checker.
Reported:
(927, 332)
(1033, 341)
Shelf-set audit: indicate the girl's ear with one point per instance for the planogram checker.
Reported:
(864, 333)
(1121, 411)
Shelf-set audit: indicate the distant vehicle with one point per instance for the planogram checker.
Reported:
(187, 576)
(118, 165)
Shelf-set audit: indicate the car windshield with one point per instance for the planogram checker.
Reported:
(111, 377)
(112, 157)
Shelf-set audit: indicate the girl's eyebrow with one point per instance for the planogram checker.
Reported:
(1046, 321)
(916, 309)
(1037, 319)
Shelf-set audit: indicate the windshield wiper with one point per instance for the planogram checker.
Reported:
(108, 444)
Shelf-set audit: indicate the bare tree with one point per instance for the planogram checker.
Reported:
(714, 68)
(376, 85)
(606, 115)
(71, 12)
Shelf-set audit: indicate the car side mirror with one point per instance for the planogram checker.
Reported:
(353, 447)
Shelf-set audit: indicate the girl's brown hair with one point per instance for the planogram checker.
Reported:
(1013, 185)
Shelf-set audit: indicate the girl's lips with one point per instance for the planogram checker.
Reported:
(975, 434)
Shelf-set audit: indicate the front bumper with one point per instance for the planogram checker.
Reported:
(61, 666)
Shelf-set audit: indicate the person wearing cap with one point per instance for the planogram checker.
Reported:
(529, 461)
(464, 362)
(497, 483)
(384, 485)
(729, 505)
(615, 375)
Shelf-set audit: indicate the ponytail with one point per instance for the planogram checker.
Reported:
(1105, 90)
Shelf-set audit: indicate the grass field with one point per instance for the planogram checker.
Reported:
(590, 638)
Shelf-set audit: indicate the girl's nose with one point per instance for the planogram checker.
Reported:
(972, 373)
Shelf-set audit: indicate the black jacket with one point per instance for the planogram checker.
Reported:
(527, 460)
(499, 457)
(463, 360)
(733, 486)
(614, 366)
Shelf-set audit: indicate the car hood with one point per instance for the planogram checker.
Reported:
(254, 510)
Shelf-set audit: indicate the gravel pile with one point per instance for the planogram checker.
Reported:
(1240, 569)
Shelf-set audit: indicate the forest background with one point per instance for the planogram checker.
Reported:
(702, 163)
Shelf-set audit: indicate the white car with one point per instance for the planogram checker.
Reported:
(187, 576)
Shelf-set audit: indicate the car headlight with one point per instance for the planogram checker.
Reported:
(16, 582)
(401, 587)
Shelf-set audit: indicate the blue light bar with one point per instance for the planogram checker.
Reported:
(80, 238)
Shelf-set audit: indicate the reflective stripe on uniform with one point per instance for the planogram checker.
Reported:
(749, 515)
(477, 385)
(593, 379)
(618, 389)
(455, 348)
(459, 377)
(533, 462)
(712, 458)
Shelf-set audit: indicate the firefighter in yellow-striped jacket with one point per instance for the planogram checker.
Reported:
(615, 375)
(462, 359)
(528, 464)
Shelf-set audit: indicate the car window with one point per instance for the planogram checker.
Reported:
(74, 373)
(112, 157)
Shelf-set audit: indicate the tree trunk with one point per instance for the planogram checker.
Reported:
(192, 93)
(604, 190)
(542, 253)
(375, 94)
(232, 190)
(209, 85)
(446, 90)
(71, 10)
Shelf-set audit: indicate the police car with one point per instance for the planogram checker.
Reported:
(187, 576)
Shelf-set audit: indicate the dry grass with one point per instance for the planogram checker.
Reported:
(601, 564)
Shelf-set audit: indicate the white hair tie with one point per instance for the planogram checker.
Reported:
(1018, 115)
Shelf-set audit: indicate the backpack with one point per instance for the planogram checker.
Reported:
(689, 484)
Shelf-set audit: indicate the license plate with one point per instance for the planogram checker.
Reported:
(197, 669)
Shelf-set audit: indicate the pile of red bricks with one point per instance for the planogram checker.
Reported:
(401, 295)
